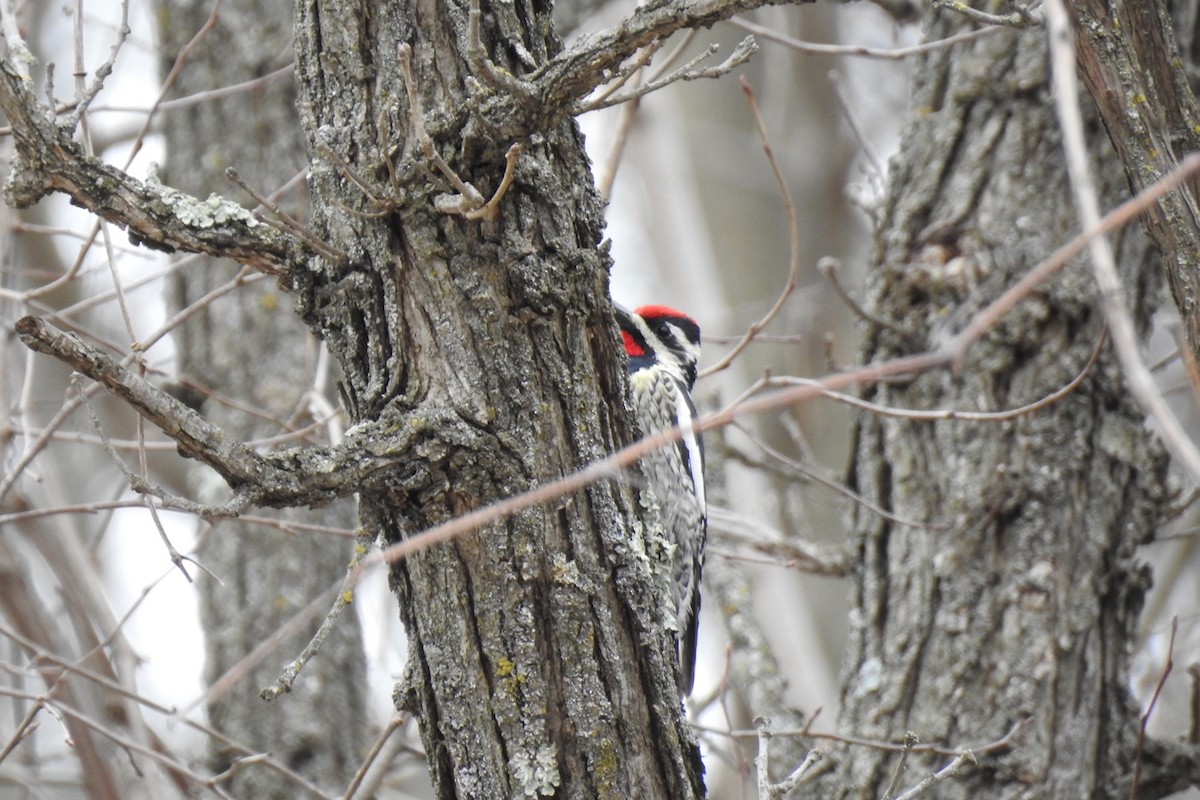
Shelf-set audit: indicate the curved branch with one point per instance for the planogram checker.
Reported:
(48, 160)
(390, 450)
(196, 436)
(593, 60)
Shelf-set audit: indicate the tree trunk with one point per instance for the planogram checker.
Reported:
(1019, 595)
(1141, 87)
(247, 346)
(538, 659)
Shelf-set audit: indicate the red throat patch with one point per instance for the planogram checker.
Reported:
(632, 348)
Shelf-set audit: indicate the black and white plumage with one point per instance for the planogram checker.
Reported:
(664, 347)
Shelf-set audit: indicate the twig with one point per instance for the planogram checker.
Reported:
(491, 209)
(864, 144)
(910, 741)
(766, 789)
(195, 434)
(948, 771)
(394, 724)
(1162, 680)
(344, 598)
(688, 72)
(789, 206)
(255, 84)
(236, 766)
(232, 676)
(801, 774)
(1020, 18)
(496, 76)
(86, 96)
(53, 711)
(628, 71)
(950, 413)
(835, 486)
(185, 53)
(796, 553)
(761, 760)
(1188, 358)
(327, 149)
(762, 338)
(606, 174)
(151, 213)
(26, 726)
(74, 509)
(244, 278)
(875, 744)
(896, 54)
(1194, 729)
(723, 693)
(110, 685)
(288, 223)
(468, 198)
(35, 447)
(173, 765)
(828, 267)
(176, 558)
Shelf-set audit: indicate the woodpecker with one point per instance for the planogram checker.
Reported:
(664, 346)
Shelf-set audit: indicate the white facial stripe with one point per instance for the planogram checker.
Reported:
(680, 351)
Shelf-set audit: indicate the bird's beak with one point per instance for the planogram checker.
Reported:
(624, 317)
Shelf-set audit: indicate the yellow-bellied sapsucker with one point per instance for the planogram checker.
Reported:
(664, 346)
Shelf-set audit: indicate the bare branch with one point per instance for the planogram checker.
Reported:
(394, 724)
(343, 600)
(483, 65)
(590, 62)
(691, 71)
(287, 222)
(897, 54)
(910, 741)
(789, 207)
(1141, 739)
(1020, 17)
(828, 267)
(89, 94)
(153, 215)
(950, 413)
(766, 789)
(294, 477)
(1003, 743)
(948, 771)
(196, 436)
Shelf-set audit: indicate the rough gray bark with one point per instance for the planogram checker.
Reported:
(1021, 597)
(1141, 86)
(538, 662)
(247, 346)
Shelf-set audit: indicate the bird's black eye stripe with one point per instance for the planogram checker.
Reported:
(665, 327)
